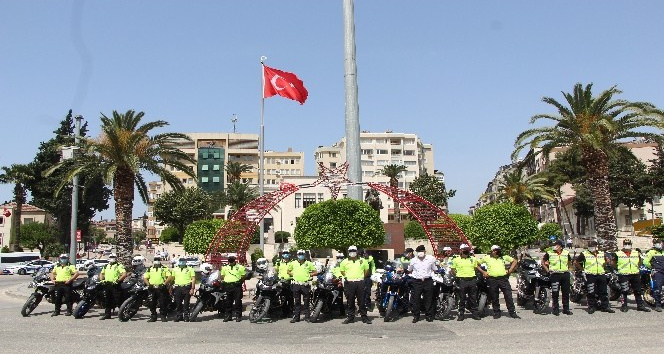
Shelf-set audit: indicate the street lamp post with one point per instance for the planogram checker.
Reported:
(74, 196)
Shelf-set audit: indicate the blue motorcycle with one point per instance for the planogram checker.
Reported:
(392, 294)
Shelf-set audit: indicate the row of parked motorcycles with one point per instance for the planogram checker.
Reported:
(88, 292)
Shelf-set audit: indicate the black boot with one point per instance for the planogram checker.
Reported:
(295, 319)
(461, 317)
(153, 317)
(642, 308)
(349, 320)
(366, 320)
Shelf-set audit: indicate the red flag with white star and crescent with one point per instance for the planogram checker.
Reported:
(284, 84)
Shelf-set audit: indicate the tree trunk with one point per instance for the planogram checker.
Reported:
(569, 220)
(561, 221)
(123, 194)
(15, 235)
(596, 163)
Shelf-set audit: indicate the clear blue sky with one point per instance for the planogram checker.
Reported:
(465, 76)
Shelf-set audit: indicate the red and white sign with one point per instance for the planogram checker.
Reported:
(78, 235)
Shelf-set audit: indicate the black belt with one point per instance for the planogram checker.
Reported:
(466, 278)
(423, 279)
(500, 277)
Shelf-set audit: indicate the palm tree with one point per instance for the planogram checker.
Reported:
(518, 189)
(239, 194)
(18, 175)
(594, 125)
(122, 151)
(235, 169)
(393, 172)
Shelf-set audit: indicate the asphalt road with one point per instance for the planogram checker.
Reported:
(580, 333)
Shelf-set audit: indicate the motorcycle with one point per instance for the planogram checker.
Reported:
(269, 295)
(327, 295)
(647, 286)
(532, 284)
(210, 296)
(579, 289)
(94, 293)
(45, 288)
(482, 292)
(390, 295)
(445, 293)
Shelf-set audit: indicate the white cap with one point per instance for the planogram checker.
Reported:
(352, 248)
(447, 248)
(463, 246)
(301, 252)
(495, 247)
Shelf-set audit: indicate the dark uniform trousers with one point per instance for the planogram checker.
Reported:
(112, 296)
(287, 294)
(658, 279)
(182, 298)
(233, 299)
(467, 294)
(367, 290)
(560, 282)
(354, 290)
(423, 287)
(625, 281)
(159, 294)
(496, 286)
(62, 290)
(301, 293)
(598, 292)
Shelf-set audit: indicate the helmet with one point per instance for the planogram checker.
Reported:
(63, 255)
(89, 264)
(261, 264)
(340, 256)
(137, 260)
(206, 268)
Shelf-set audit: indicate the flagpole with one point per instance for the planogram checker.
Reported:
(261, 140)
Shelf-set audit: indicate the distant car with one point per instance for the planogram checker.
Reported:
(193, 262)
(28, 267)
(97, 262)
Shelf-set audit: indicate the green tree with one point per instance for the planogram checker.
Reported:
(414, 231)
(465, 223)
(394, 172)
(170, 234)
(550, 229)
(338, 224)
(281, 236)
(18, 175)
(123, 151)
(239, 194)
(35, 235)
(93, 195)
(138, 236)
(505, 224)
(594, 125)
(519, 189)
(53, 250)
(234, 171)
(432, 189)
(179, 208)
(98, 235)
(199, 235)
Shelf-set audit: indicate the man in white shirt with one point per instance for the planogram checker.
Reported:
(421, 269)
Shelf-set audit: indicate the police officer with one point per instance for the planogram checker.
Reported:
(63, 275)
(403, 262)
(592, 262)
(282, 271)
(628, 265)
(336, 271)
(655, 261)
(233, 275)
(301, 270)
(498, 279)
(157, 278)
(421, 269)
(463, 267)
(184, 280)
(557, 261)
(354, 270)
(367, 280)
(112, 276)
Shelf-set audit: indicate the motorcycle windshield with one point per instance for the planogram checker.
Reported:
(212, 278)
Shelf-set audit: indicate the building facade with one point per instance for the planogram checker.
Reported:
(29, 213)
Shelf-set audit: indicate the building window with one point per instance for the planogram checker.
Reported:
(190, 181)
(204, 179)
(215, 179)
(298, 200)
(216, 155)
(333, 165)
(204, 155)
(215, 167)
(658, 215)
(367, 151)
(309, 198)
(320, 197)
(2, 220)
(381, 152)
(367, 163)
(409, 152)
(28, 220)
(204, 167)
(628, 220)
(656, 200)
(410, 163)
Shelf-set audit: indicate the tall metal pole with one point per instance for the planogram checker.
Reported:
(74, 197)
(352, 106)
(261, 141)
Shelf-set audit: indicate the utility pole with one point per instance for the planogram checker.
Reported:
(74, 196)
(234, 120)
(352, 106)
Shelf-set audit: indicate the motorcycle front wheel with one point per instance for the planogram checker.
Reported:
(30, 304)
(259, 310)
(389, 309)
(481, 303)
(317, 309)
(541, 301)
(128, 308)
(444, 307)
(197, 309)
(81, 309)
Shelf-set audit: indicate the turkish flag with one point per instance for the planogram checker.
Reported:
(284, 84)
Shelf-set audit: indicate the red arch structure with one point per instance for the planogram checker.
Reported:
(234, 236)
